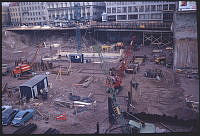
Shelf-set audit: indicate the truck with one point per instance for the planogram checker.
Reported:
(20, 69)
(23, 67)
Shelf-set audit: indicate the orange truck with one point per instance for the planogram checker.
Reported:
(20, 69)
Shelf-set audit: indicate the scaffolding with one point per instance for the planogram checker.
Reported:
(158, 38)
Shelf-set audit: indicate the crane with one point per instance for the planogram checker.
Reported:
(78, 31)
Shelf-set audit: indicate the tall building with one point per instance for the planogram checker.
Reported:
(28, 13)
(34, 13)
(140, 11)
(66, 10)
(15, 13)
(5, 15)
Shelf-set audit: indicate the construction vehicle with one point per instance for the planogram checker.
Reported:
(160, 60)
(25, 68)
(20, 69)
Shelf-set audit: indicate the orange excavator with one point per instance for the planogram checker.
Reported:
(25, 68)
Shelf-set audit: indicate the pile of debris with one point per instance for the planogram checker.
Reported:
(77, 103)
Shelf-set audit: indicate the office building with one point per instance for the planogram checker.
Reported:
(140, 11)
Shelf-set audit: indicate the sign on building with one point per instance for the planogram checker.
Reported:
(187, 5)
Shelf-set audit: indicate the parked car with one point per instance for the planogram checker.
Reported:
(5, 108)
(8, 116)
(22, 116)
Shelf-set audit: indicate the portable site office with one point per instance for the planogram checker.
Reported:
(34, 87)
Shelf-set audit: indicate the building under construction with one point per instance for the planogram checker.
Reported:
(102, 77)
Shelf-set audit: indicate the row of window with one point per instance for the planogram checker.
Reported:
(120, 3)
(66, 15)
(29, 3)
(146, 8)
(136, 16)
(35, 19)
(131, 3)
(33, 8)
(63, 11)
(28, 14)
(65, 4)
(15, 19)
(27, 8)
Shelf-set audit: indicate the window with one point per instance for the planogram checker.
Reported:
(25, 114)
(124, 9)
(141, 16)
(130, 17)
(118, 9)
(172, 7)
(141, 9)
(108, 10)
(168, 17)
(146, 16)
(147, 8)
(129, 9)
(159, 7)
(33, 13)
(113, 10)
(135, 9)
(44, 18)
(165, 7)
(156, 16)
(88, 14)
(153, 7)
(121, 17)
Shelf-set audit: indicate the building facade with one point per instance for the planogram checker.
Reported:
(140, 11)
(15, 13)
(62, 11)
(43, 13)
(34, 13)
(5, 15)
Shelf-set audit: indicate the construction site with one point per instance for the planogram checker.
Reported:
(102, 78)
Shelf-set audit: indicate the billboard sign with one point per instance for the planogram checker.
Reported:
(187, 5)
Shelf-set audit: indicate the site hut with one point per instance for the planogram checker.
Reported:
(34, 87)
(76, 58)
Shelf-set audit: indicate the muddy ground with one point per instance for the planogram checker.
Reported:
(166, 96)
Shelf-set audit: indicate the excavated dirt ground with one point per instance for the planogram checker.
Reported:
(166, 96)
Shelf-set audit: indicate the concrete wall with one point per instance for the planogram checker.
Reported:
(185, 40)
